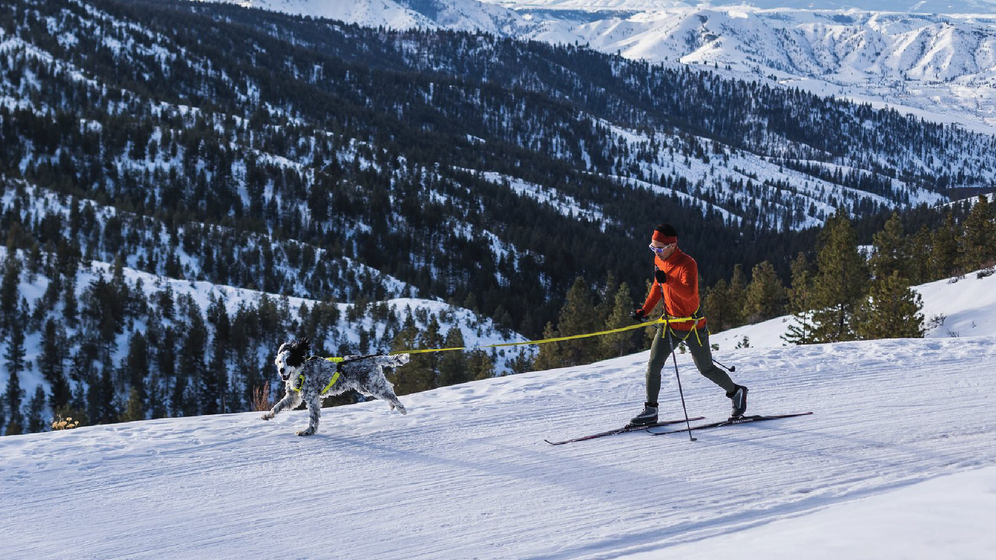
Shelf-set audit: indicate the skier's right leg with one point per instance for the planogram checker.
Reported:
(660, 351)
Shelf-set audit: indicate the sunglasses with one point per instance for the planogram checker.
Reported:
(660, 250)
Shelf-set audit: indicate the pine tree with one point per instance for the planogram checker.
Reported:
(8, 288)
(453, 365)
(550, 355)
(945, 253)
(50, 363)
(414, 376)
(840, 282)
(431, 338)
(35, 409)
(69, 302)
(216, 374)
(623, 343)
(135, 409)
(764, 294)
(577, 316)
(800, 303)
(979, 240)
(100, 395)
(136, 363)
(606, 298)
(893, 311)
(177, 395)
(717, 306)
(12, 397)
(198, 393)
(919, 266)
(480, 364)
(14, 355)
(891, 252)
(736, 296)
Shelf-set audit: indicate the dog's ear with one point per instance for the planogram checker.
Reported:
(298, 352)
(305, 345)
(282, 348)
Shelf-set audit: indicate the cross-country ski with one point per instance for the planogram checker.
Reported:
(730, 422)
(625, 429)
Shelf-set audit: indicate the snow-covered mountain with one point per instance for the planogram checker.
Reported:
(903, 55)
(458, 15)
(939, 66)
(911, 6)
(900, 429)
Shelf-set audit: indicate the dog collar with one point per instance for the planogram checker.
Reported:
(301, 385)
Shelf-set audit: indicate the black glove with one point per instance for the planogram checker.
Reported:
(637, 315)
(660, 276)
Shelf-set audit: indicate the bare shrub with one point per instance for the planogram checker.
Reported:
(261, 398)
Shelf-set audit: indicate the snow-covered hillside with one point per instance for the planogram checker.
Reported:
(354, 328)
(466, 473)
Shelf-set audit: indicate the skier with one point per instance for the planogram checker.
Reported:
(676, 277)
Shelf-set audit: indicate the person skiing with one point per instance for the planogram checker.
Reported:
(676, 278)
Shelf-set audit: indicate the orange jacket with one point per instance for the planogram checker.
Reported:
(681, 291)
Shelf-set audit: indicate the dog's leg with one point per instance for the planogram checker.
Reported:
(386, 392)
(394, 402)
(314, 415)
(291, 399)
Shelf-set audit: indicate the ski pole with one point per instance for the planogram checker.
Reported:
(730, 369)
(667, 331)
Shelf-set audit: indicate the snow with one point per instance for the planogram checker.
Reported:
(466, 473)
(948, 517)
(564, 204)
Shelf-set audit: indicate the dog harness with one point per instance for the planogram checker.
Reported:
(335, 376)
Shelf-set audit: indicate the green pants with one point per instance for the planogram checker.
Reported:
(661, 350)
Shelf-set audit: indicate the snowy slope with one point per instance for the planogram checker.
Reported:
(952, 308)
(466, 474)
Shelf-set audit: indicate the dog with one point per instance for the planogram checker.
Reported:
(305, 378)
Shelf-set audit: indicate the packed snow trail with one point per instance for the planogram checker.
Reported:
(466, 474)
(945, 517)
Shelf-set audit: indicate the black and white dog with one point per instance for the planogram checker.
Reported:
(311, 379)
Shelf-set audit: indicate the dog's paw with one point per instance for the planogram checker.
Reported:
(267, 416)
(308, 432)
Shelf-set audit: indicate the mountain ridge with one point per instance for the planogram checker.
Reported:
(859, 53)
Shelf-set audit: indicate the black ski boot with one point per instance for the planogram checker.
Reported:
(739, 398)
(647, 417)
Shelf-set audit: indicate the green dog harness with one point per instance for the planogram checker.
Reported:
(335, 376)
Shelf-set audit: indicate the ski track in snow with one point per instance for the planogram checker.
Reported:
(466, 473)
